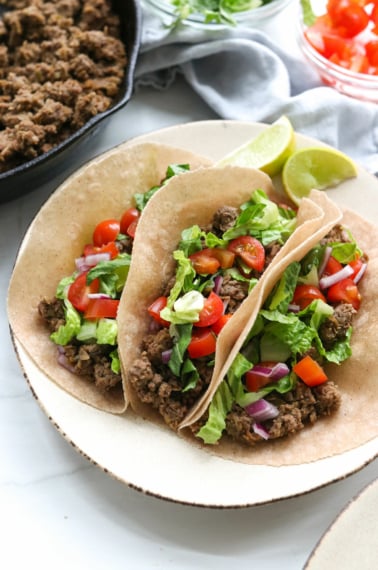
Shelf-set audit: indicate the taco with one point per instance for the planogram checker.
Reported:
(293, 363)
(176, 332)
(73, 264)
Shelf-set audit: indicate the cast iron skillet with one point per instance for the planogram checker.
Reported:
(28, 176)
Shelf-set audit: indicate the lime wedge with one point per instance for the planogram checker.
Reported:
(268, 151)
(315, 167)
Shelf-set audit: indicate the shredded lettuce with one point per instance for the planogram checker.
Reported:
(71, 327)
(142, 198)
(107, 330)
(220, 406)
(112, 274)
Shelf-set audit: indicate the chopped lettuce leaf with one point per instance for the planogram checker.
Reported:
(284, 290)
(220, 406)
(185, 275)
(112, 274)
(189, 375)
(282, 386)
(115, 362)
(71, 327)
(182, 335)
(344, 252)
(142, 198)
(290, 330)
(191, 240)
(107, 331)
(88, 331)
(61, 290)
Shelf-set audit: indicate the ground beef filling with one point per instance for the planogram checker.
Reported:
(61, 63)
(84, 359)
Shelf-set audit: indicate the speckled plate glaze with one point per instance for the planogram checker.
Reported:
(351, 542)
(156, 461)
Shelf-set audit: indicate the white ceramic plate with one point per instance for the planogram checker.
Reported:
(153, 459)
(351, 542)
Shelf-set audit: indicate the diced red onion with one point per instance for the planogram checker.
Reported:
(98, 296)
(274, 372)
(166, 356)
(327, 255)
(262, 410)
(218, 284)
(292, 308)
(361, 272)
(81, 264)
(329, 280)
(260, 430)
(95, 258)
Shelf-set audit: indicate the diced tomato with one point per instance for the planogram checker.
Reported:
(225, 257)
(128, 217)
(155, 308)
(345, 291)
(250, 250)
(101, 309)
(332, 266)
(305, 294)
(106, 231)
(203, 343)
(204, 263)
(211, 312)
(220, 323)
(110, 248)
(79, 289)
(310, 371)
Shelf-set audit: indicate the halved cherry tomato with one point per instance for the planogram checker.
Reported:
(310, 371)
(211, 312)
(106, 231)
(203, 343)
(204, 263)
(250, 250)
(132, 228)
(78, 291)
(110, 248)
(155, 308)
(345, 291)
(101, 309)
(332, 266)
(305, 294)
(128, 218)
(220, 323)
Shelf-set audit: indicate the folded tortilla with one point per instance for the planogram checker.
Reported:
(201, 193)
(185, 201)
(102, 189)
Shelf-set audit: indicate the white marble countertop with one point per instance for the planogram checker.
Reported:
(60, 511)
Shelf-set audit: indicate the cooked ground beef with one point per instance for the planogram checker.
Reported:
(337, 234)
(224, 219)
(233, 292)
(337, 325)
(157, 386)
(91, 360)
(61, 63)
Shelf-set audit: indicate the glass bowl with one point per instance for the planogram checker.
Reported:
(357, 85)
(167, 11)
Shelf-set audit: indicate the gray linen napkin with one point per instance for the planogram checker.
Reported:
(246, 74)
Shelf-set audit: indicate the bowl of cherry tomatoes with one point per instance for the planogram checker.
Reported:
(340, 39)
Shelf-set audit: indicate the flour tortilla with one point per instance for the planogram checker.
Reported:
(185, 201)
(356, 422)
(102, 189)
